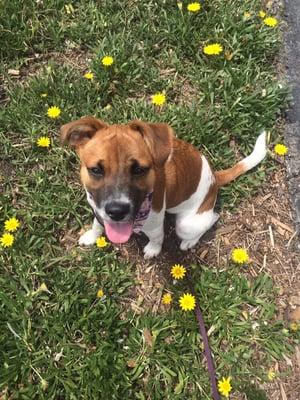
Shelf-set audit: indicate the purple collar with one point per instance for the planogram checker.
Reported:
(143, 213)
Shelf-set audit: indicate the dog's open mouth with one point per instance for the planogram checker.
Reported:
(118, 232)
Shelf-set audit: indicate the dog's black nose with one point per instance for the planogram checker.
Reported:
(117, 210)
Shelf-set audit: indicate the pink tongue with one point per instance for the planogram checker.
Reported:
(118, 232)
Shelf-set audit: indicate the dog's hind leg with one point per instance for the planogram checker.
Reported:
(191, 227)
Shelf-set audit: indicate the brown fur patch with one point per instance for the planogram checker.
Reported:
(79, 132)
(116, 147)
(159, 189)
(210, 199)
(183, 173)
(158, 137)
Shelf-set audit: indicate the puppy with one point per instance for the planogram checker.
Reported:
(135, 173)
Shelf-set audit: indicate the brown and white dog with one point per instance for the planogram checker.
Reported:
(143, 166)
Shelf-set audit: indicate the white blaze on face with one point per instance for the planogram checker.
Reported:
(117, 232)
(91, 200)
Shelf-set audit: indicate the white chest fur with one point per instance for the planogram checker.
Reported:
(192, 204)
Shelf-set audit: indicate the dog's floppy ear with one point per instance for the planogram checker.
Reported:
(78, 132)
(158, 138)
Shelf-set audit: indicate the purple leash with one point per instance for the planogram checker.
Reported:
(207, 350)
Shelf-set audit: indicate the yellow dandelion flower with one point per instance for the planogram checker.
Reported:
(271, 374)
(11, 224)
(294, 326)
(167, 298)
(270, 21)
(158, 99)
(187, 302)
(7, 240)
(107, 61)
(43, 287)
(44, 384)
(194, 7)
(101, 242)
(262, 14)
(44, 95)
(240, 256)
(43, 141)
(247, 15)
(280, 149)
(178, 271)
(100, 294)
(53, 112)
(224, 386)
(89, 75)
(213, 49)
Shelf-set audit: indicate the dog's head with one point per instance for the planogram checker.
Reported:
(118, 164)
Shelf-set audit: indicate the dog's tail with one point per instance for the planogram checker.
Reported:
(258, 154)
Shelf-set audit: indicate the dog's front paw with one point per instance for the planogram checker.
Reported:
(88, 238)
(152, 250)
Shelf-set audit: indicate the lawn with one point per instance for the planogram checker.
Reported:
(58, 339)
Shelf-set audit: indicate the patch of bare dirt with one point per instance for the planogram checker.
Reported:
(34, 65)
(73, 55)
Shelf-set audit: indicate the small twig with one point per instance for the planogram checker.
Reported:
(218, 253)
(260, 232)
(265, 198)
(283, 395)
(271, 237)
(281, 224)
(284, 268)
(264, 263)
(291, 238)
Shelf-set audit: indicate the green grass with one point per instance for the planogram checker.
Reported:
(89, 348)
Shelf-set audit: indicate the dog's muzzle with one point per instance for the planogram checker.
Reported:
(119, 231)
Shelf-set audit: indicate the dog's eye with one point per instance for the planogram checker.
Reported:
(138, 170)
(96, 171)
